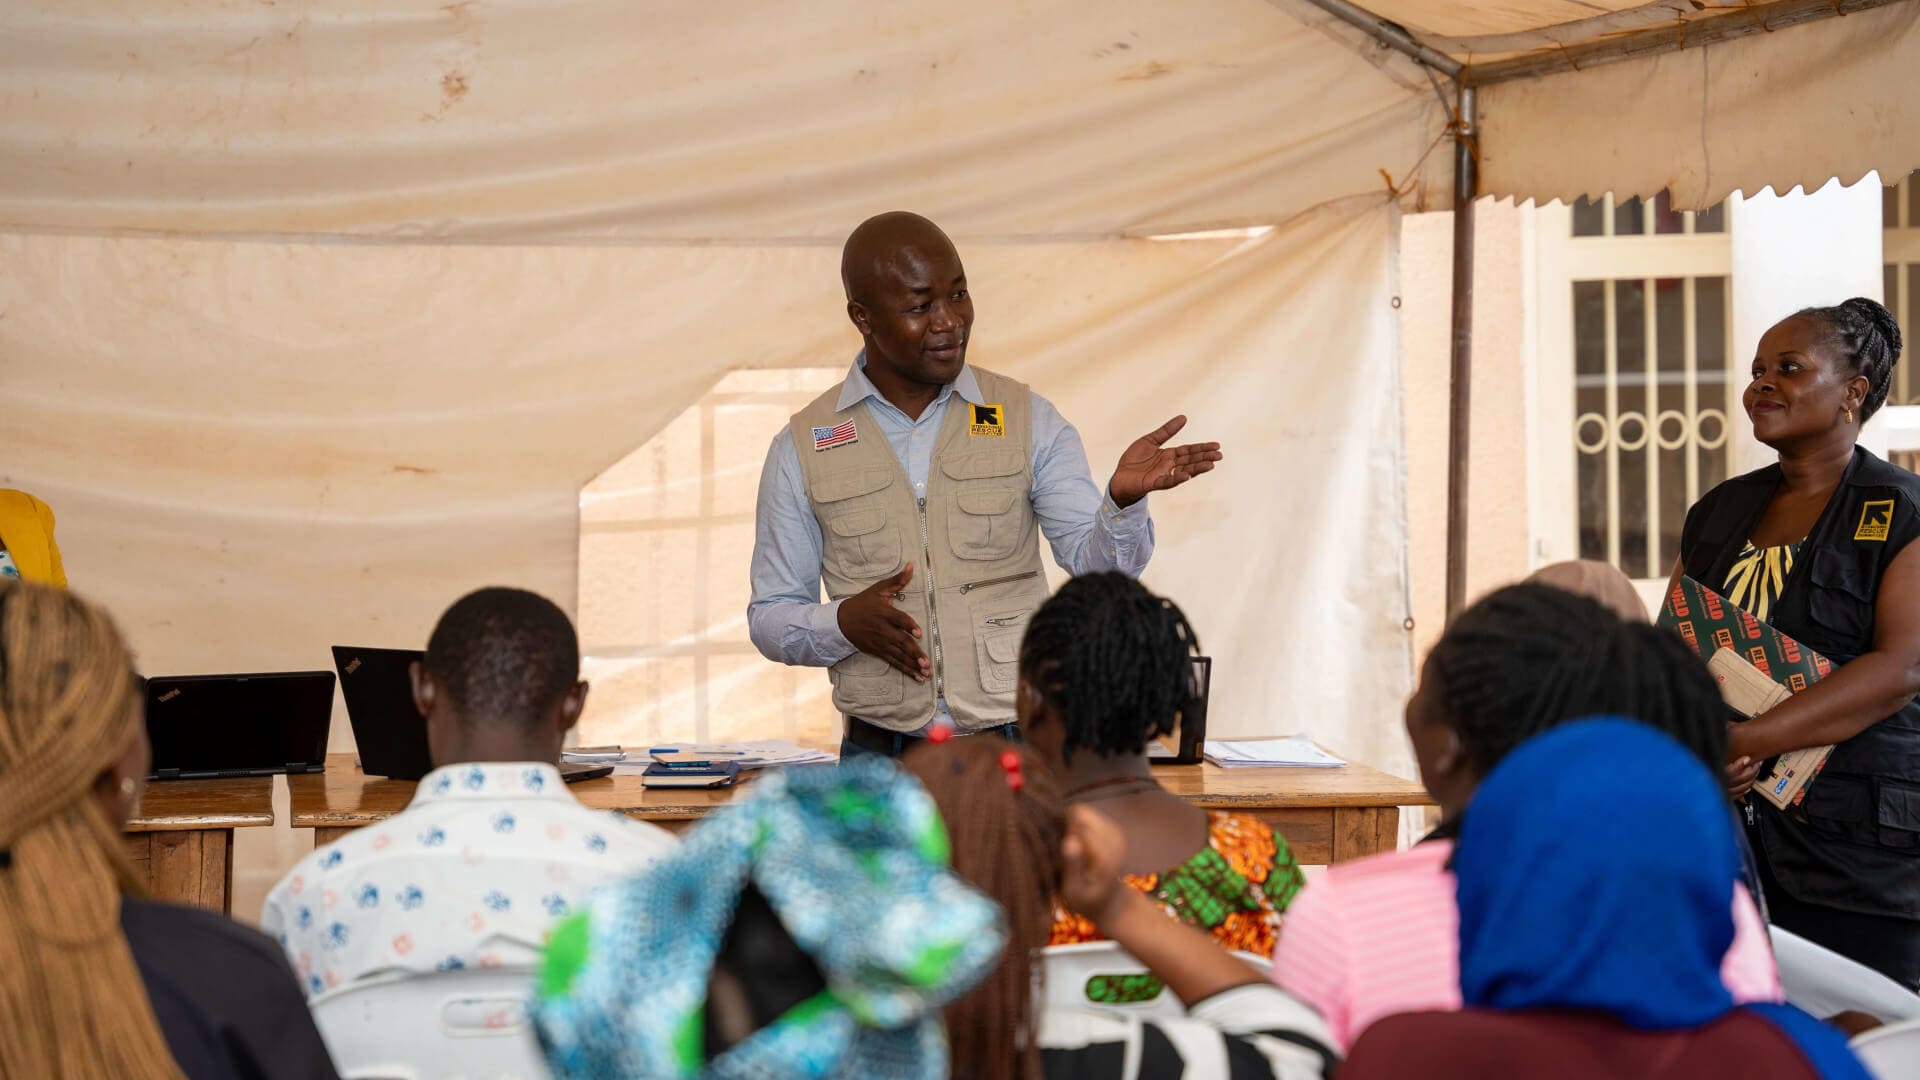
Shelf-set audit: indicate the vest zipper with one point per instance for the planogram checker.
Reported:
(972, 585)
(933, 607)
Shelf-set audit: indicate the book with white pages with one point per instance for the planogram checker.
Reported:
(1290, 752)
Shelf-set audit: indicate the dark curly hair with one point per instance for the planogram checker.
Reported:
(503, 656)
(1113, 659)
(1867, 337)
(1528, 658)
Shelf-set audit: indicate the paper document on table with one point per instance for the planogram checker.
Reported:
(757, 754)
(1293, 751)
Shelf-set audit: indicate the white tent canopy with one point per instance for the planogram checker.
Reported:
(313, 315)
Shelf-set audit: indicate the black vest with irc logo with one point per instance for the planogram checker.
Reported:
(1854, 842)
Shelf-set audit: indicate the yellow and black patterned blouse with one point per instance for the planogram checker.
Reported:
(1757, 577)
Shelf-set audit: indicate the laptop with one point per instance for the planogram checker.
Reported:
(209, 726)
(377, 685)
(388, 729)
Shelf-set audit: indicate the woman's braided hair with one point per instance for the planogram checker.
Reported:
(1114, 660)
(72, 1003)
(1006, 843)
(1868, 339)
(1532, 657)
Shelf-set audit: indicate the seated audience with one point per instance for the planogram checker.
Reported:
(812, 928)
(27, 550)
(1593, 926)
(493, 849)
(1376, 936)
(1597, 581)
(1018, 841)
(1615, 591)
(1106, 667)
(94, 981)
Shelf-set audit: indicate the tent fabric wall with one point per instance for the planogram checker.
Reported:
(544, 121)
(315, 314)
(1796, 107)
(258, 450)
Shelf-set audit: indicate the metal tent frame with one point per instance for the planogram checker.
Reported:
(1735, 22)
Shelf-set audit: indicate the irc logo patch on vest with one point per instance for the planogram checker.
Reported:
(988, 420)
(1876, 520)
(826, 438)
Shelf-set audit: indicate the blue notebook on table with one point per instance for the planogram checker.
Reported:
(706, 774)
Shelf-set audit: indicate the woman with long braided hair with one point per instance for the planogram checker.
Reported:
(1377, 936)
(1015, 838)
(1105, 668)
(1820, 546)
(95, 984)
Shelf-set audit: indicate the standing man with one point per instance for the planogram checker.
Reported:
(919, 511)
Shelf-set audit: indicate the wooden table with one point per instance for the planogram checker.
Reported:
(181, 842)
(1326, 815)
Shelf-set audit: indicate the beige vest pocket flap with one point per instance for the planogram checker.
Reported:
(985, 502)
(982, 464)
(851, 483)
(859, 522)
(1003, 648)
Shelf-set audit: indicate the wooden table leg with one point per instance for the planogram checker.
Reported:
(323, 837)
(193, 866)
(1359, 831)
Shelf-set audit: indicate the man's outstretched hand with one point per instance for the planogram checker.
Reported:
(1151, 465)
(875, 627)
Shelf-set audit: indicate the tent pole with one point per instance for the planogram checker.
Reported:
(1466, 185)
(1390, 35)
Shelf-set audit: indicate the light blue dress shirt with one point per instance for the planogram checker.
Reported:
(785, 617)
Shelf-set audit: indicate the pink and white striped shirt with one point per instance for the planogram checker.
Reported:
(1380, 936)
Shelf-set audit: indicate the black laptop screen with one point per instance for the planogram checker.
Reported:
(238, 725)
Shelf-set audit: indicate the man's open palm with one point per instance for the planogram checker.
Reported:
(1151, 465)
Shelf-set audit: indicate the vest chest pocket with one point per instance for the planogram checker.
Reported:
(1840, 600)
(989, 517)
(986, 525)
(854, 524)
(866, 546)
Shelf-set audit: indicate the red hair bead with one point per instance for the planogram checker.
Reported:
(1010, 761)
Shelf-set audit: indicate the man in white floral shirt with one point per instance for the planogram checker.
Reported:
(493, 849)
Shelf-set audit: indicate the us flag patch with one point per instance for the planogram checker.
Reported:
(826, 438)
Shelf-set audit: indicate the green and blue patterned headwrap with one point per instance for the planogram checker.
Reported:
(854, 861)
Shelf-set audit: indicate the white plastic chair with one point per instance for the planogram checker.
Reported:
(1891, 1052)
(1069, 969)
(458, 1025)
(1822, 982)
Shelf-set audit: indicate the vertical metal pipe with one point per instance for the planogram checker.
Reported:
(1466, 185)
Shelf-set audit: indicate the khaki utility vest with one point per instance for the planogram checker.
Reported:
(973, 542)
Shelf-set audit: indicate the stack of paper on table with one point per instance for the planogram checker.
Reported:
(757, 754)
(1293, 751)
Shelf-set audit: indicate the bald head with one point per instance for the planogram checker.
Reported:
(907, 295)
(879, 242)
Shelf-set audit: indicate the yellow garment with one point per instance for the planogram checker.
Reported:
(1757, 577)
(26, 531)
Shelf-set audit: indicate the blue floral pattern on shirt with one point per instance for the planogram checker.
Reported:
(472, 875)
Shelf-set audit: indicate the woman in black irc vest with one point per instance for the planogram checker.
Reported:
(1819, 546)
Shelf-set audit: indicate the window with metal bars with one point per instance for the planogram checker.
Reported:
(1652, 390)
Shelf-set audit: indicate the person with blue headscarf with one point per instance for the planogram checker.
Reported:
(1593, 918)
